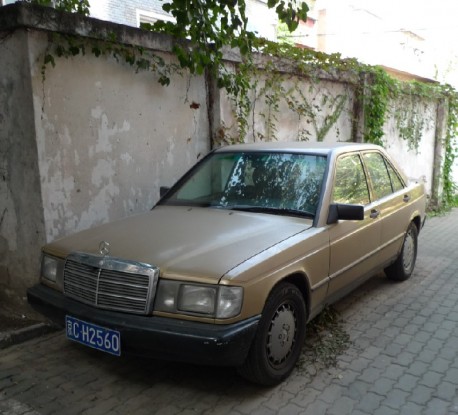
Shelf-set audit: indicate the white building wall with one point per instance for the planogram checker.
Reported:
(124, 12)
(261, 19)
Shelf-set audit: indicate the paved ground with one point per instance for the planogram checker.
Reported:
(403, 360)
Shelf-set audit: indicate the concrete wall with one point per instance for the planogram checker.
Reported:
(107, 138)
(89, 140)
(322, 99)
(417, 162)
(22, 228)
(86, 142)
(288, 122)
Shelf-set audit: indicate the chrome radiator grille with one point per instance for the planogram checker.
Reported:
(110, 283)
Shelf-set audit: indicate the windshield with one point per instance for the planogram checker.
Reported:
(269, 182)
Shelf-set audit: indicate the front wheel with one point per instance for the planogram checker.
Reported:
(279, 338)
(402, 268)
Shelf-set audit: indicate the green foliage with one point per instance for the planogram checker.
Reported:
(241, 101)
(271, 92)
(290, 12)
(410, 120)
(69, 46)
(377, 92)
(311, 109)
(283, 34)
(72, 6)
(202, 34)
(450, 193)
(204, 28)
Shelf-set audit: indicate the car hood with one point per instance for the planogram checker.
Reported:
(186, 242)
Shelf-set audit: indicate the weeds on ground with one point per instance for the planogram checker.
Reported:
(443, 210)
(326, 339)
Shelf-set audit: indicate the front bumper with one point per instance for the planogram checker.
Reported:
(152, 336)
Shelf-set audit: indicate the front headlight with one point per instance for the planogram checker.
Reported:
(198, 299)
(52, 269)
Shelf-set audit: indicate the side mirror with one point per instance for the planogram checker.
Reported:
(163, 190)
(340, 211)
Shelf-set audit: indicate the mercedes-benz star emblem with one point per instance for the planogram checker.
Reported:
(104, 248)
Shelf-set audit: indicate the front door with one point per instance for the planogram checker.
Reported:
(353, 244)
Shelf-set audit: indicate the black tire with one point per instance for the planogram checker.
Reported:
(279, 337)
(404, 265)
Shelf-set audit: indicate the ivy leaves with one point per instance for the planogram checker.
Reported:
(72, 6)
(290, 13)
(204, 29)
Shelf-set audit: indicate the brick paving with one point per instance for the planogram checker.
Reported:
(403, 359)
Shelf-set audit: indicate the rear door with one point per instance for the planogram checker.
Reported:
(393, 200)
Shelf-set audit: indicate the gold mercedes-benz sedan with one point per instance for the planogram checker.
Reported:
(237, 256)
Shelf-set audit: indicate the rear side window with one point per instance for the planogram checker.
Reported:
(396, 182)
(350, 184)
(384, 178)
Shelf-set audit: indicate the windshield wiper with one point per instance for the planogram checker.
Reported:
(272, 210)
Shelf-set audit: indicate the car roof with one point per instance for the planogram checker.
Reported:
(299, 147)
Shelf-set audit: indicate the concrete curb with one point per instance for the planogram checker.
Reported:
(10, 338)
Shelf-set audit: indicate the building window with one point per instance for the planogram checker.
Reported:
(144, 16)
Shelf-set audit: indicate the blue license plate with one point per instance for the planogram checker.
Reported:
(92, 335)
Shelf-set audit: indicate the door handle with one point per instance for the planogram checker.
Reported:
(406, 198)
(374, 213)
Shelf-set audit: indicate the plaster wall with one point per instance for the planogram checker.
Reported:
(417, 163)
(22, 228)
(295, 109)
(85, 142)
(108, 138)
(321, 100)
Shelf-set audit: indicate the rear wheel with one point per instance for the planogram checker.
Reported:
(404, 265)
(279, 337)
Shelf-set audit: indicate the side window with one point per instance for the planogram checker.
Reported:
(378, 170)
(396, 182)
(350, 185)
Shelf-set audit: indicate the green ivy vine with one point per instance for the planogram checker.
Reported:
(271, 93)
(71, 6)
(139, 58)
(449, 195)
(377, 93)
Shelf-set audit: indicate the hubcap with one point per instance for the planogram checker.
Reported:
(408, 252)
(282, 333)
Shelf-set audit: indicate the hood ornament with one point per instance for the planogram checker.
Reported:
(104, 248)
